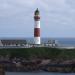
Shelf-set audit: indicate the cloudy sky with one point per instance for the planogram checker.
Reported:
(57, 18)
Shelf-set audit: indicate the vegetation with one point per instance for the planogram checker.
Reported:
(51, 53)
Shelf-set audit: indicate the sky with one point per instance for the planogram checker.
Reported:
(57, 18)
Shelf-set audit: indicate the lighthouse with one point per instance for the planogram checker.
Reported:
(37, 27)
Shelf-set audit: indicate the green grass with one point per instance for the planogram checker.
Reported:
(40, 53)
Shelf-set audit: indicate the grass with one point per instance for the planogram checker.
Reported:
(39, 52)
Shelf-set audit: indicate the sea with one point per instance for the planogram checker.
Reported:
(37, 73)
(65, 42)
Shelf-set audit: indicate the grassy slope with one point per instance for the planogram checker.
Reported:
(40, 52)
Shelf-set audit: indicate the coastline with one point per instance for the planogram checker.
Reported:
(38, 59)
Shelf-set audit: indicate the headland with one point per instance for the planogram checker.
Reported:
(38, 59)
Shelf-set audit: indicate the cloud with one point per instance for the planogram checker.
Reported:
(71, 3)
(57, 16)
(10, 7)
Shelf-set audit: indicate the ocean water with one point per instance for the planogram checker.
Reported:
(60, 41)
(37, 73)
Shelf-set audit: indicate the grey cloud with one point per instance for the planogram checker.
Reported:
(71, 3)
(10, 7)
(57, 16)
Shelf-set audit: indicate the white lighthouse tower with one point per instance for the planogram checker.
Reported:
(37, 28)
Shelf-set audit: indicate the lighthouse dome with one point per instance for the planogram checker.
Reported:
(37, 12)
